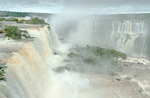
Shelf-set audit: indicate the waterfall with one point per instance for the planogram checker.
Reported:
(126, 42)
(128, 26)
(125, 34)
(30, 71)
(27, 70)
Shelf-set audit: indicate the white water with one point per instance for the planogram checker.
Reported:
(30, 71)
(125, 42)
(125, 34)
(128, 26)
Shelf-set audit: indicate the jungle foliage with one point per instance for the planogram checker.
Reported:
(15, 33)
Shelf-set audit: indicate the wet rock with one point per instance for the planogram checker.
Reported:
(61, 69)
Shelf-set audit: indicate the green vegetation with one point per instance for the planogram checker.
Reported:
(21, 21)
(72, 54)
(12, 19)
(16, 20)
(118, 79)
(98, 51)
(2, 19)
(1, 78)
(96, 59)
(15, 33)
(2, 73)
(2, 31)
(49, 27)
(90, 60)
(108, 53)
(21, 14)
(0, 25)
(15, 14)
(26, 36)
(35, 20)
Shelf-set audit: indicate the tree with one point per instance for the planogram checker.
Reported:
(13, 32)
(35, 20)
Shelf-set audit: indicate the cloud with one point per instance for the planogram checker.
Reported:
(110, 2)
(90, 6)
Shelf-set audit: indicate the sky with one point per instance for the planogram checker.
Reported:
(89, 6)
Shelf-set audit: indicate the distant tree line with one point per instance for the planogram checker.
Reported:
(15, 14)
(35, 20)
(22, 14)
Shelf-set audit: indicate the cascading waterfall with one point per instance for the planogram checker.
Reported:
(144, 48)
(30, 71)
(125, 34)
(126, 42)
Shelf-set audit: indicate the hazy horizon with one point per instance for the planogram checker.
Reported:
(89, 6)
